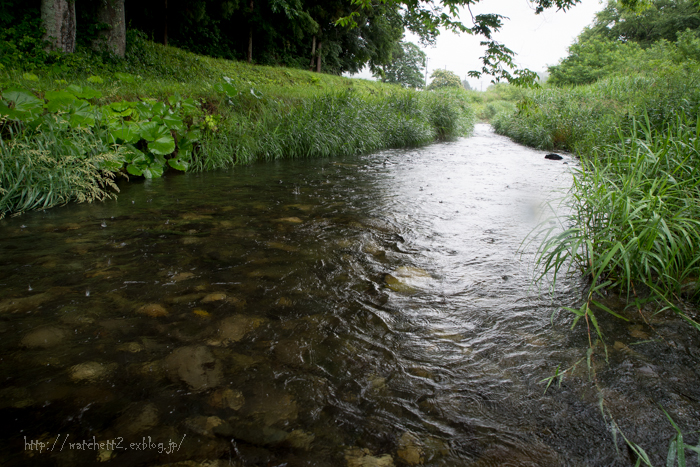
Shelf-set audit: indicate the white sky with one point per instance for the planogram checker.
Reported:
(538, 40)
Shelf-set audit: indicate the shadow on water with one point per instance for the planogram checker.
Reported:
(373, 311)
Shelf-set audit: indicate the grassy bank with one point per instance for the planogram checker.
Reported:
(634, 222)
(69, 130)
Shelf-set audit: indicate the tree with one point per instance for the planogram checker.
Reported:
(58, 19)
(592, 59)
(465, 85)
(621, 39)
(659, 19)
(405, 68)
(444, 79)
(426, 17)
(113, 37)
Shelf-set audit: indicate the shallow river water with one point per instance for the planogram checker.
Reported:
(369, 311)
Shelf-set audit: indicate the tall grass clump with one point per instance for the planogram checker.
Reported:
(42, 170)
(634, 222)
(582, 118)
(339, 124)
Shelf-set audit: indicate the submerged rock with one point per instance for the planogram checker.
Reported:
(139, 418)
(272, 406)
(131, 347)
(292, 220)
(208, 426)
(406, 279)
(194, 365)
(227, 399)
(356, 457)
(20, 305)
(214, 297)
(91, 371)
(44, 337)
(233, 329)
(154, 310)
(183, 276)
(300, 439)
(410, 449)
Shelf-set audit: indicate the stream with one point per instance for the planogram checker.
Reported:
(369, 311)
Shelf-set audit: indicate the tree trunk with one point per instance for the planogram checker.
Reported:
(318, 57)
(313, 52)
(58, 18)
(250, 34)
(113, 39)
(165, 24)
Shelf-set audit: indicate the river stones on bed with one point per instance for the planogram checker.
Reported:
(194, 365)
(44, 337)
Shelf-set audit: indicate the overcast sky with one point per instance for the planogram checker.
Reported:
(538, 40)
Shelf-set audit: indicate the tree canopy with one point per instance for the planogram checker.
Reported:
(621, 39)
(333, 36)
(444, 79)
(406, 66)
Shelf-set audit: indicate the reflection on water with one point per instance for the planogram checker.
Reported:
(373, 311)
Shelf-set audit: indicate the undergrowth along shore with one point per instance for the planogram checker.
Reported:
(634, 207)
(67, 132)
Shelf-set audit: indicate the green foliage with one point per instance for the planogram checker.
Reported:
(657, 20)
(54, 166)
(337, 124)
(634, 224)
(405, 68)
(593, 59)
(444, 79)
(85, 144)
(621, 42)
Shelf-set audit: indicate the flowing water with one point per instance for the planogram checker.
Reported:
(370, 311)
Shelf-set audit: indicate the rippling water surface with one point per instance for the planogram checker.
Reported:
(372, 311)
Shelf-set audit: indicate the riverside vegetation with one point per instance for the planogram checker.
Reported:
(633, 226)
(69, 130)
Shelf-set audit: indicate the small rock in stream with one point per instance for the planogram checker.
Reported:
(44, 337)
(356, 457)
(553, 157)
(91, 371)
(139, 418)
(410, 449)
(196, 366)
(154, 310)
(227, 399)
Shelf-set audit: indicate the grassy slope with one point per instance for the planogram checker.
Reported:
(274, 113)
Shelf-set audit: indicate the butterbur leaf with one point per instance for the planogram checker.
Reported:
(81, 114)
(145, 109)
(173, 122)
(149, 131)
(58, 100)
(164, 145)
(132, 154)
(25, 106)
(134, 169)
(83, 92)
(153, 171)
(122, 109)
(159, 109)
(179, 164)
(174, 100)
(126, 133)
